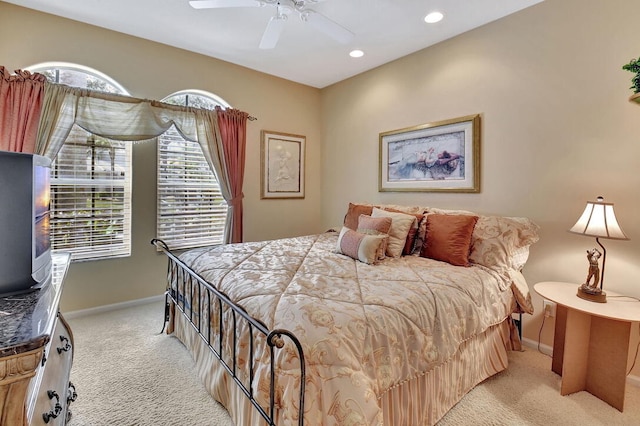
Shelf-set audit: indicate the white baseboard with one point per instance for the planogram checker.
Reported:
(545, 349)
(113, 307)
(548, 350)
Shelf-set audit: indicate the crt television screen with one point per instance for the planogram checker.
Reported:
(41, 209)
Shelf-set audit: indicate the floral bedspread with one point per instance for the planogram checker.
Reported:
(364, 328)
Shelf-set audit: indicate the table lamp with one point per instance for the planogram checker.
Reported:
(598, 220)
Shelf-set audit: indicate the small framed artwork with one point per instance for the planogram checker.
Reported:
(282, 163)
(443, 156)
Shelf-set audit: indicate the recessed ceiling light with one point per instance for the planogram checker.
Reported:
(433, 17)
(356, 53)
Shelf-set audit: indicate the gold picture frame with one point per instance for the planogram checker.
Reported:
(442, 156)
(282, 165)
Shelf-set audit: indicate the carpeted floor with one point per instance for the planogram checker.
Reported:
(127, 374)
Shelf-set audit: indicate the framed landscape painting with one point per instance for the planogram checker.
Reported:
(443, 156)
(282, 174)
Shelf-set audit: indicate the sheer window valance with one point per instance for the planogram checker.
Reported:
(115, 117)
(130, 119)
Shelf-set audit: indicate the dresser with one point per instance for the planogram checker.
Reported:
(36, 352)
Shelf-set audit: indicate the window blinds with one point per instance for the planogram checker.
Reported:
(191, 209)
(91, 197)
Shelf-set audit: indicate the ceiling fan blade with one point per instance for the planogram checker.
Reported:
(272, 32)
(215, 4)
(327, 26)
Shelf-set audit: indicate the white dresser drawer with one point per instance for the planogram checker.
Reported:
(56, 392)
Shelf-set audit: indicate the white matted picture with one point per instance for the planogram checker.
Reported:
(443, 156)
(282, 165)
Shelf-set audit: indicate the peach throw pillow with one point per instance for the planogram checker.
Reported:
(353, 214)
(448, 238)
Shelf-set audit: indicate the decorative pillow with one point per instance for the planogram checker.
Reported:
(520, 290)
(359, 246)
(356, 209)
(502, 243)
(448, 238)
(421, 234)
(412, 236)
(375, 226)
(518, 258)
(400, 208)
(353, 214)
(400, 225)
(451, 212)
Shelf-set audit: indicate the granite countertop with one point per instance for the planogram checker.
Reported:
(26, 320)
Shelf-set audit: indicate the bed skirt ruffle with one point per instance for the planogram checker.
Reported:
(426, 399)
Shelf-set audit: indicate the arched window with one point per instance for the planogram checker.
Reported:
(191, 210)
(90, 179)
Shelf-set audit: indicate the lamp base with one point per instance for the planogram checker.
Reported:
(591, 294)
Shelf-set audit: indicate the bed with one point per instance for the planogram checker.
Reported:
(322, 330)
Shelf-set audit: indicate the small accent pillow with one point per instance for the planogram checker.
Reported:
(359, 246)
(412, 236)
(353, 214)
(448, 238)
(400, 225)
(375, 226)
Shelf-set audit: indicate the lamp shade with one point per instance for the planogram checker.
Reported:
(599, 220)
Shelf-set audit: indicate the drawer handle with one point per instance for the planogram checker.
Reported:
(56, 410)
(67, 345)
(71, 393)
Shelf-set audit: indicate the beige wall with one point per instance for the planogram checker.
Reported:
(152, 70)
(557, 130)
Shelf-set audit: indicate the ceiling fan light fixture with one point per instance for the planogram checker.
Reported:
(357, 53)
(283, 9)
(433, 17)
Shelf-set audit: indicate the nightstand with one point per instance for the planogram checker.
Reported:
(591, 341)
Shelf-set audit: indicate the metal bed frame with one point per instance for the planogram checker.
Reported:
(194, 287)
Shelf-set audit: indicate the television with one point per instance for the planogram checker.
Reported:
(25, 244)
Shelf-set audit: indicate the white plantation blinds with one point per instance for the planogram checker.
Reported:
(91, 197)
(90, 180)
(191, 209)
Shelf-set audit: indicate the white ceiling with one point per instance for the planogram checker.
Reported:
(384, 29)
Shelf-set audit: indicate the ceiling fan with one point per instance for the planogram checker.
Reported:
(283, 9)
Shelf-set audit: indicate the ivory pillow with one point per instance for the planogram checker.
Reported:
(502, 243)
(400, 225)
(412, 236)
(359, 246)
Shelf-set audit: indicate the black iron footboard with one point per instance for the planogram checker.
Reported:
(218, 303)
